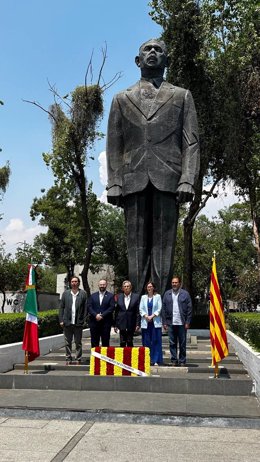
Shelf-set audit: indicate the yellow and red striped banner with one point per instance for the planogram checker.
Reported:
(137, 358)
(218, 336)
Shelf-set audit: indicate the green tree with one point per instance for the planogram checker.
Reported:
(74, 129)
(62, 244)
(230, 236)
(110, 242)
(233, 46)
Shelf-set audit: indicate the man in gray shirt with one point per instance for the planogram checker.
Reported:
(176, 317)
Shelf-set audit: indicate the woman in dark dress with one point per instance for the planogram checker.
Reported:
(151, 323)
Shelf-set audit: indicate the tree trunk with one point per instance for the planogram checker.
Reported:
(188, 225)
(188, 256)
(195, 207)
(87, 231)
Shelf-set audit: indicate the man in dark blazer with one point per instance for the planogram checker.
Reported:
(127, 318)
(101, 307)
(153, 162)
(72, 316)
(176, 317)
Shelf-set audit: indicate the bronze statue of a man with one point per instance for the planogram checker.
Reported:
(153, 163)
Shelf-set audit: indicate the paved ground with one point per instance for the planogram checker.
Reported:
(44, 440)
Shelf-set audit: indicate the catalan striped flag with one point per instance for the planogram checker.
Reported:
(30, 336)
(131, 361)
(218, 336)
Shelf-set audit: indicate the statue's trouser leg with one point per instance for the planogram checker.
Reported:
(138, 238)
(165, 221)
(151, 223)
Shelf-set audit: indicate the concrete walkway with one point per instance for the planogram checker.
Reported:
(46, 440)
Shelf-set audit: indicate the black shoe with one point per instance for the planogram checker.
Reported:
(174, 363)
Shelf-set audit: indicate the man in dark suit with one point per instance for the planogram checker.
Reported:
(176, 317)
(101, 306)
(153, 163)
(72, 316)
(127, 318)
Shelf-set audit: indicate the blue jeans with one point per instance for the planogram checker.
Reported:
(177, 335)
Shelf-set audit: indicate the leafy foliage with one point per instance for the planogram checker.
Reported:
(246, 326)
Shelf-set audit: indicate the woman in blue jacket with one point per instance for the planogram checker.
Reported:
(151, 323)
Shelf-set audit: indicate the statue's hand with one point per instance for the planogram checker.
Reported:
(185, 193)
(114, 196)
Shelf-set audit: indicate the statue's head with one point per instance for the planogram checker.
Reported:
(152, 55)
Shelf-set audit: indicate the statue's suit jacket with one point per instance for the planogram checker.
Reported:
(156, 143)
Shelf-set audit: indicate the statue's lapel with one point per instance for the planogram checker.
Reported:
(134, 94)
(165, 92)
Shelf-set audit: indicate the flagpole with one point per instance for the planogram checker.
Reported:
(216, 371)
(26, 362)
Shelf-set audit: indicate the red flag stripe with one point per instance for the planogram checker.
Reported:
(218, 321)
(216, 288)
(110, 354)
(141, 359)
(127, 356)
(97, 362)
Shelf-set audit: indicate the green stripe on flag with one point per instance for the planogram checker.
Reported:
(30, 305)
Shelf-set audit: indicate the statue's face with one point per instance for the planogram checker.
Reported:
(152, 55)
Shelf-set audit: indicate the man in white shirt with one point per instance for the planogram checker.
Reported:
(72, 315)
(176, 317)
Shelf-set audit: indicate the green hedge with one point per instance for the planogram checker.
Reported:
(12, 326)
(246, 326)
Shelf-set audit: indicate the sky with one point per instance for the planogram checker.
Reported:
(52, 40)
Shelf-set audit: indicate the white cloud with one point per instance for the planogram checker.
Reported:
(103, 168)
(103, 174)
(15, 233)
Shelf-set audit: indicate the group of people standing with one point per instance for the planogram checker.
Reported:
(127, 313)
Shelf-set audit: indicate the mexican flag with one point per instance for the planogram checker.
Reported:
(30, 336)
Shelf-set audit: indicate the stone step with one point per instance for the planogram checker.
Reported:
(191, 358)
(46, 365)
(177, 380)
(89, 405)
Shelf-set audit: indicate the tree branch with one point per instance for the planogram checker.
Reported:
(104, 53)
(109, 84)
(89, 68)
(55, 93)
(41, 107)
(203, 203)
